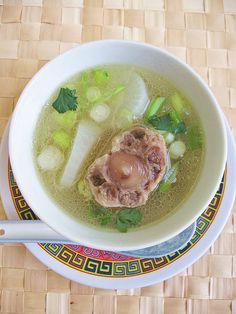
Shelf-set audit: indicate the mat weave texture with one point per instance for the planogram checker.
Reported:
(203, 34)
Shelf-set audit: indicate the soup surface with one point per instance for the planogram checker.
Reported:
(79, 122)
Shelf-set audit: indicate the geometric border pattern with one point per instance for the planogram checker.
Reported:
(110, 264)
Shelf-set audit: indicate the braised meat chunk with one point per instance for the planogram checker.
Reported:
(131, 170)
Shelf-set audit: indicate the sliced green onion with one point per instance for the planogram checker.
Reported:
(100, 112)
(93, 94)
(154, 106)
(169, 138)
(174, 117)
(163, 132)
(107, 96)
(177, 103)
(177, 149)
(118, 90)
(84, 190)
(61, 139)
(124, 118)
(100, 76)
(65, 120)
(50, 158)
(169, 178)
(83, 83)
(194, 137)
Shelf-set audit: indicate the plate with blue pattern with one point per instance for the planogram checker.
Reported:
(116, 270)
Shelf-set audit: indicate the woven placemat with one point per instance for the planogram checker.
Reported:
(202, 33)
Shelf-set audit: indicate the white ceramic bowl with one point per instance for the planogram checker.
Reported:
(41, 87)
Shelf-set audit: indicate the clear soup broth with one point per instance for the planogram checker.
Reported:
(118, 88)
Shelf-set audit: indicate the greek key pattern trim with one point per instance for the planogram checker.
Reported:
(119, 266)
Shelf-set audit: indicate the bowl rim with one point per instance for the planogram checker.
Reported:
(96, 243)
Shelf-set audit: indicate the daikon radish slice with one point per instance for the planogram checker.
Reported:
(87, 135)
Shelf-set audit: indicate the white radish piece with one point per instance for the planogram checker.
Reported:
(177, 149)
(136, 96)
(50, 158)
(100, 112)
(86, 136)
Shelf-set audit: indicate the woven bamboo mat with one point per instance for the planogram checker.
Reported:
(202, 33)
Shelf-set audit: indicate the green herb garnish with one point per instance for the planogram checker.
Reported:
(123, 218)
(108, 95)
(83, 82)
(179, 128)
(154, 106)
(103, 214)
(65, 120)
(84, 189)
(174, 116)
(177, 103)
(121, 226)
(100, 76)
(66, 100)
(167, 123)
(169, 178)
(126, 217)
(61, 138)
(194, 137)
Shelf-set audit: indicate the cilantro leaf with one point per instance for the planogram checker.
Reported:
(123, 218)
(104, 220)
(180, 128)
(102, 214)
(92, 210)
(130, 215)
(166, 123)
(66, 100)
(105, 217)
(121, 226)
(126, 217)
(161, 123)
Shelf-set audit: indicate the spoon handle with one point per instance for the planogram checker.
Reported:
(29, 231)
